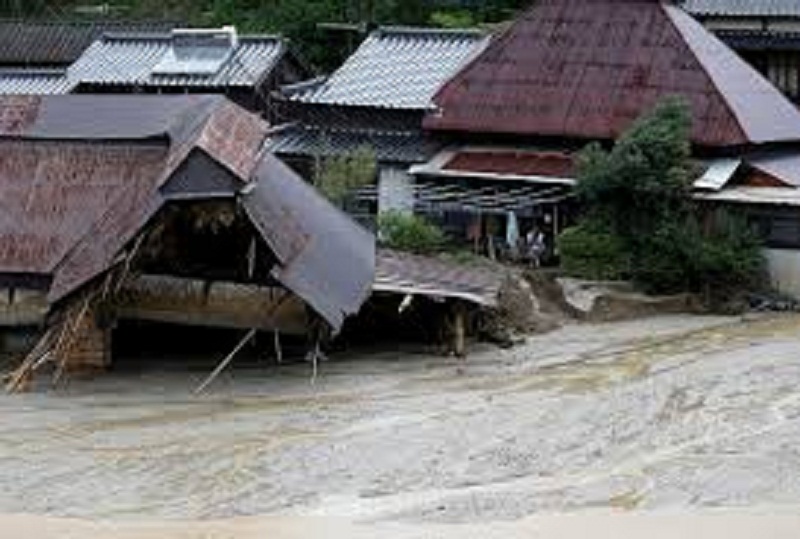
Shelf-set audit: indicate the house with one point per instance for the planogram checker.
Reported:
(766, 33)
(246, 69)
(56, 43)
(35, 54)
(378, 99)
(161, 208)
(569, 72)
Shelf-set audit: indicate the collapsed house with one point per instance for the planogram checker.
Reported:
(161, 208)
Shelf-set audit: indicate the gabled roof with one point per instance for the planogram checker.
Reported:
(743, 8)
(587, 70)
(81, 176)
(30, 43)
(34, 81)
(61, 190)
(394, 68)
(134, 60)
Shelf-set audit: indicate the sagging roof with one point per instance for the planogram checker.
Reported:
(587, 70)
(142, 60)
(743, 8)
(34, 81)
(404, 273)
(324, 256)
(81, 176)
(42, 43)
(400, 68)
(316, 141)
(66, 194)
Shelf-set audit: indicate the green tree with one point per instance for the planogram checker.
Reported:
(408, 232)
(337, 177)
(640, 221)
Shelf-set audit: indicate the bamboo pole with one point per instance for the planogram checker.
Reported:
(225, 362)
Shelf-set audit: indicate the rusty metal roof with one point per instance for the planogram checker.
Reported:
(61, 188)
(515, 163)
(404, 273)
(51, 193)
(587, 70)
(42, 43)
(71, 200)
(324, 256)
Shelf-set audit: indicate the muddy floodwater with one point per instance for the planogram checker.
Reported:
(666, 413)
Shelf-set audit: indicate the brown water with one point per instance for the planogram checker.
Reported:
(676, 413)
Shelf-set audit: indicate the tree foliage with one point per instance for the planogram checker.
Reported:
(296, 19)
(408, 232)
(640, 221)
(339, 176)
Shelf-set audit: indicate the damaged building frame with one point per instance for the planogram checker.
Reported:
(161, 208)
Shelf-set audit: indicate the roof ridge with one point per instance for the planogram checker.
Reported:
(673, 13)
(36, 70)
(430, 31)
(711, 79)
(167, 35)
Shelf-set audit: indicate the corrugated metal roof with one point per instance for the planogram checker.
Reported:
(404, 273)
(394, 68)
(69, 201)
(324, 256)
(773, 196)
(131, 60)
(34, 81)
(517, 163)
(104, 117)
(783, 166)
(577, 69)
(27, 42)
(51, 193)
(389, 146)
(743, 8)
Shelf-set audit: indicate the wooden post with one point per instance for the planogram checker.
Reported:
(459, 330)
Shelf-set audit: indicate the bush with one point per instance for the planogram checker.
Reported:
(718, 258)
(340, 176)
(406, 232)
(589, 253)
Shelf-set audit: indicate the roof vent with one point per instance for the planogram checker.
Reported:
(198, 51)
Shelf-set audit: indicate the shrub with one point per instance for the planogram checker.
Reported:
(589, 253)
(640, 220)
(339, 176)
(407, 232)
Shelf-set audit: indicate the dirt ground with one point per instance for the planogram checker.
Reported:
(665, 414)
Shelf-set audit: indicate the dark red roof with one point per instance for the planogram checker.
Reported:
(517, 163)
(587, 69)
(79, 174)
